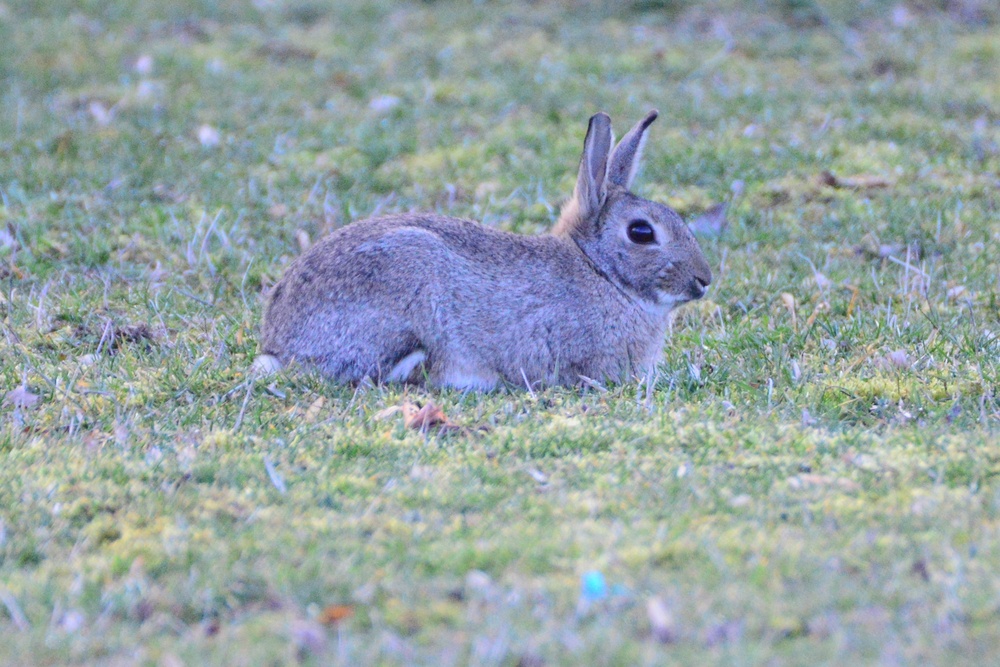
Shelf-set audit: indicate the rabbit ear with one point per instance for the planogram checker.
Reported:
(590, 189)
(624, 162)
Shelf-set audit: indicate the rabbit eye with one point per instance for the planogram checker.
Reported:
(640, 231)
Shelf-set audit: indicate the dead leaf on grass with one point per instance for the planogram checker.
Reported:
(335, 613)
(426, 417)
(312, 414)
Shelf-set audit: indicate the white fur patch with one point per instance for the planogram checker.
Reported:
(264, 365)
(460, 380)
(404, 367)
(665, 303)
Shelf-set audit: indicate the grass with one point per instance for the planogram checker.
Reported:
(812, 479)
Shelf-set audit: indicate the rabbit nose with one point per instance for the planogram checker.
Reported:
(699, 285)
(704, 276)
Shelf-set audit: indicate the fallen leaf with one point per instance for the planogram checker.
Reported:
(312, 414)
(335, 613)
(21, 398)
(423, 418)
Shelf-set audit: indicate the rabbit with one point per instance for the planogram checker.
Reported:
(419, 295)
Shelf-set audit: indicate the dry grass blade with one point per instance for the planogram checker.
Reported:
(859, 182)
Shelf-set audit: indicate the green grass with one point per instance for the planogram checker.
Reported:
(812, 480)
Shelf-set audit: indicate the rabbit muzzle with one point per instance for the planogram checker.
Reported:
(696, 289)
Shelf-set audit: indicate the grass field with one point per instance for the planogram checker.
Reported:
(812, 480)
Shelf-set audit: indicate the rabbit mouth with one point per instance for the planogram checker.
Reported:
(668, 300)
(667, 294)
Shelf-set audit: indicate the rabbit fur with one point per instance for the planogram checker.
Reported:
(401, 297)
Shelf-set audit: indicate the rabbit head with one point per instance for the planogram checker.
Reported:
(642, 246)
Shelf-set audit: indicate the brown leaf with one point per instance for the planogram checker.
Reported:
(335, 613)
(423, 418)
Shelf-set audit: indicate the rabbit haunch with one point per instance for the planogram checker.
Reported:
(397, 297)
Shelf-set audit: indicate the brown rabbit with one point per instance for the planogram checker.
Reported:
(393, 297)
